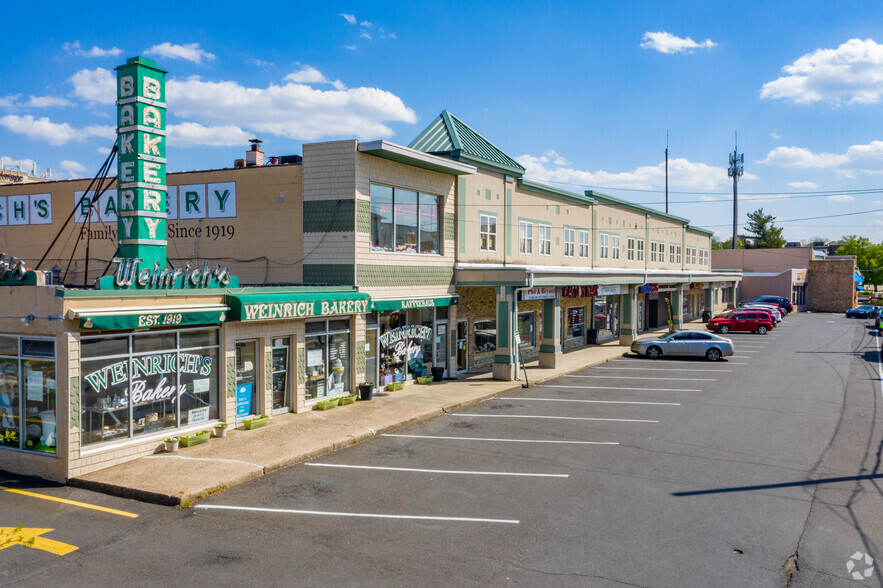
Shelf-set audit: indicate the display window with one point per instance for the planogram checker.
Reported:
(526, 328)
(485, 338)
(406, 344)
(405, 221)
(328, 369)
(140, 384)
(246, 379)
(576, 321)
(606, 316)
(28, 394)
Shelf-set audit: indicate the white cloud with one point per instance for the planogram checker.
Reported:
(72, 169)
(308, 74)
(775, 135)
(189, 134)
(47, 102)
(103, 150)
(365, 23)
(682, 173)
(43, 129)
(95, 51)
(350, 18)
(802, 158)
(292, 110)
(803, 185)
(365, 35)
(668, 43)
(260, 62)
(708, 198)
(190, 52)
(351, 47)
(9, 101)
(853, 73)
(390, 36)
(95, 85)
(10, 163)
(840, 198)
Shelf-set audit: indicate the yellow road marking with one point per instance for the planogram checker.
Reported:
(121, 513)
(10, 536)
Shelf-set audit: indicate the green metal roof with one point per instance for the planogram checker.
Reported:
(448, 134)
(556, 192)
(604, 198)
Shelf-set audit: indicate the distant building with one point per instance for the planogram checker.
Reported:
(19, 176)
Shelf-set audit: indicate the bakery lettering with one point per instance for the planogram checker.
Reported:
(149, 365)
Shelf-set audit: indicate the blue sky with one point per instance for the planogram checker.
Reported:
(581, 93)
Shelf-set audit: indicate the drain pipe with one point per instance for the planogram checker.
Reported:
(517, 342)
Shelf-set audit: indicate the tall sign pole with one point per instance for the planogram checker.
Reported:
(737, 166)
(666, 172)
(141, 171)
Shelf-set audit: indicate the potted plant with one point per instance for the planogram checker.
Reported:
(256, 421)
(327, 403)
(366, 391)
(221, 430)
(171, 443)
(195, 438)
(424, 379)
(348, 399)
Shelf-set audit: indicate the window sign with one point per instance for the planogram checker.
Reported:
(27, 394)
(198, 415)
(243, 400)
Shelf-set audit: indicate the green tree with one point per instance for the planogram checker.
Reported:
(762, 232)
(869, 257)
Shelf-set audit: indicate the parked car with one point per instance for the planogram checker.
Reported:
(776, 311)
(775, 316)
(863, 311)
(781, 301)
(746, 320)
(685, 343)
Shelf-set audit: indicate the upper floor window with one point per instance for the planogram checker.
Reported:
(525, 238)
(603, 245)
(614, 246)
(405, 221)
(657, 251)
(488, 239)
(545, 239)
(583, 243)
(630, 249)
(569, 242)
(639, 254)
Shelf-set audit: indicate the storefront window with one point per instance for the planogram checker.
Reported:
(406, 339)
(381, 218)
(525, 328)
(485, 336)
(405, 221)
(606, 315)
(27, 394)
(329, 360)
(246, 378)
(279, 363)
(135, 385)
(576, 320)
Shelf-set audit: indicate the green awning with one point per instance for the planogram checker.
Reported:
(268, 306)
(404, 303)
(112, 319)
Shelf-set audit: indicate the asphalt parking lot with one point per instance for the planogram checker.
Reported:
(759, 470)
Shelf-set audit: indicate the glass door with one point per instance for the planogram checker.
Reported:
(246, 378)
(371, 356)
(441, 345)
(462, 340)
(281, 374)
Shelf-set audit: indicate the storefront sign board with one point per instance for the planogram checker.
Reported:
(406, 303)
(198, 415)
(262, 307)
(539, 293)
(133, 273)
(609, 290)
(648, 289)
(579, 291)
(140, 321)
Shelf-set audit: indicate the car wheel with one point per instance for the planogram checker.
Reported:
(724, 329)
(761, 330)
(713, 354)
(654, 352)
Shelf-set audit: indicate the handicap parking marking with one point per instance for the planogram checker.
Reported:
(357, 514)
(491, 439)
(29, 537)
(431, 471)
(113, 511)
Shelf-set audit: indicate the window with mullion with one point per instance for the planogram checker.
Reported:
(545, 239)
(569, 242)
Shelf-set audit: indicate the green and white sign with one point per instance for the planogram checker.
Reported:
(141, 171)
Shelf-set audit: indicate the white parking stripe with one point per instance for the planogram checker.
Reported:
(426, 471)
(679, 361)
(592, 401)
(560, 418)
(641, 378)
(503, 440)
(740, 356)
(604, 367)
(621, 388)
(748, 351)
(329, 513)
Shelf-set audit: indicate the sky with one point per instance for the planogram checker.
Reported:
(583, 94)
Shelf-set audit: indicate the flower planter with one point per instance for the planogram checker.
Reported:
(220, 430)
(366, 391)
(326, 404)
(171, 444)
(395, 386)
(256, 422)
(348, 399)
(195, 438)
(424, 379)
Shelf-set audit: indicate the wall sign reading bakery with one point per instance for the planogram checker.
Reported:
(280, 306)
(196, 201)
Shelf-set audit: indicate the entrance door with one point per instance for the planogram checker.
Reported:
(462, 341)
(653, 313)
(281, 370)
(371, 374)
(640, 317)
(246, 379)
(441, 345)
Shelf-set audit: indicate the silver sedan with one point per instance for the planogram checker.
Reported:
(686, 343)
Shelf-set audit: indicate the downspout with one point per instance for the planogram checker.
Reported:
(516, 341)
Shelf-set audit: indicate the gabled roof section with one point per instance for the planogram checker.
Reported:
(449, 135)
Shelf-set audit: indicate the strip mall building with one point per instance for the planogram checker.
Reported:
(210, 296)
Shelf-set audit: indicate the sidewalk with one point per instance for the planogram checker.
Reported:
(289, 439)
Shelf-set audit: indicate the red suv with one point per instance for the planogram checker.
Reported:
(751, 321)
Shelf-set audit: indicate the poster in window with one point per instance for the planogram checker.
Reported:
(35, 386)
(314, 357)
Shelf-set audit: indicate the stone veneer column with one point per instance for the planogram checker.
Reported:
(708, 303)
(677, 308)
(550, 344)
(731, 294)
(504, 359)
(452, 366)
(628, 327)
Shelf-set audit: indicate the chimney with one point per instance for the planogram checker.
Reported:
(255, 157)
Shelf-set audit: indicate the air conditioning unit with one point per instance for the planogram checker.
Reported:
(239, 163)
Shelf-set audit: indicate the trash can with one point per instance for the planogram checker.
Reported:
(706, 316)
(438, 374)
(366, 391)
(592, 336)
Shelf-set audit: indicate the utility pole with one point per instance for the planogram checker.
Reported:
(666, 171)
(737, 166)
